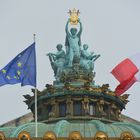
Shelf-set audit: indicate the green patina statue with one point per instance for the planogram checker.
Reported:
(76, 62)
(73, 43)
(57, 61)
(87, 59)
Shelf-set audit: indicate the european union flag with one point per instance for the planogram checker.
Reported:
(22, 69)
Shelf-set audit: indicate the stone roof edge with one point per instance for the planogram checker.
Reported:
(129, 119)
(18, 121)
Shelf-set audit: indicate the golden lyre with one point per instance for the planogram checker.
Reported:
(74, 16)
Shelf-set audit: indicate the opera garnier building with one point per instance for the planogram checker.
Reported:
(74, 107)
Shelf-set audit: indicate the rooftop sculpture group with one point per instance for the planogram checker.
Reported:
(77, 56)
(73, 107)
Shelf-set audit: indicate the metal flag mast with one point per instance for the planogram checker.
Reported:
(36, 129)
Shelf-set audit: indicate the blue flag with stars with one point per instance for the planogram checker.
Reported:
(22, 69)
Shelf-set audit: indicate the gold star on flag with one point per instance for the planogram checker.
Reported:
(19, 64)
(3, 71)
(15, 77)
(18, 72)
(8, 77)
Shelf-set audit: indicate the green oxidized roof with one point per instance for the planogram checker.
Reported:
(63, 128)
(7, 130)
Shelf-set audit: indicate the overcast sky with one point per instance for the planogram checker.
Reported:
(110, 28)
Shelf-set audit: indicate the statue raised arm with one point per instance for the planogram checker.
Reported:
(81, 28)
(70, 34)
(73, 43)
(66, 28)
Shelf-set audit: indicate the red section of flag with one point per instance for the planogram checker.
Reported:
(125, 74)
(125, 70)
(124, 86)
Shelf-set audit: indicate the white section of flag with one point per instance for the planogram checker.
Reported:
(136, 60)
(137, 76)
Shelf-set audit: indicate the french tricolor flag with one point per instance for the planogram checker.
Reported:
(127, 73)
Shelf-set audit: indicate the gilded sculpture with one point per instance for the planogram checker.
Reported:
(2, 136)
(127, 136)
(49, 136)
(75, 136)
(101, 136)
(74, 16)
(24, 136)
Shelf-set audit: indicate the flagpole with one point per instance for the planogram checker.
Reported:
(36, 112)
(36, 129)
